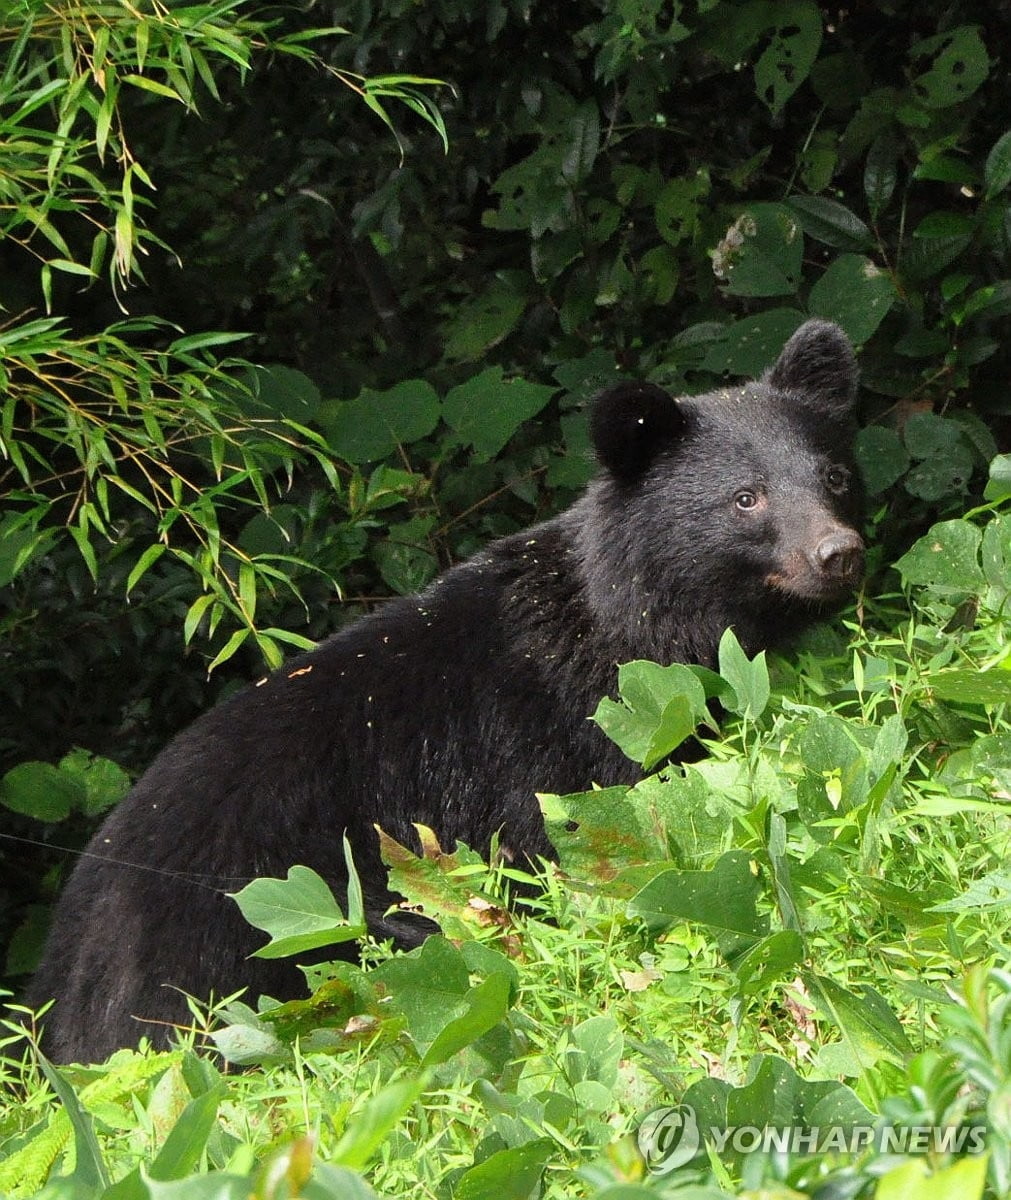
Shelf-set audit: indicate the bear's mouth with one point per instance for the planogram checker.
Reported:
(824, 578)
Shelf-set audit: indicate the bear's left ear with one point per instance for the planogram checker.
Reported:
(819, 364)
(631, 423)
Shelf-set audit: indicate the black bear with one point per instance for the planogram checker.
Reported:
(452, 708)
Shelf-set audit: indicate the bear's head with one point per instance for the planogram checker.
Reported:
(741, 504)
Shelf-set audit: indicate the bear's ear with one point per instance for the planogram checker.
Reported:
(818, 363)
(631, 423)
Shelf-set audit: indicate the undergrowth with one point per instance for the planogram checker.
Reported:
(805, 929)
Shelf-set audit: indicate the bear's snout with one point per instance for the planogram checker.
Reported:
(840, 555)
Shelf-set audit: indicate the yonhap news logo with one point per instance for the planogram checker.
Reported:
(671, 1136)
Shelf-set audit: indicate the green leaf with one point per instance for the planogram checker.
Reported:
(768, 960)
(81, 536)
(299, 912)
(882, 457)
(184, 1147)
(946, 559)
(960, 65)
(372, 426)
(881, 173)
(867, 1024)
(584, 143)
(431, 986)
(660, 707)
(961, 1180)
(723, 899)
(997, 171)
(971, 687)
(830, 222)
(855, 294)
(935, 478)
(927, 435)
(143, 564)
(677, 207)
(483, 320)
(787, 61)
(151, 85)
(749, 678)
(761, 255)
(998, 486)
(230, 647)
(486, 1005)
(750, 346)
(487, 409)
(90, 1172)
(510, 1174)
(376, 1120)
(103, 782)
(40, 790)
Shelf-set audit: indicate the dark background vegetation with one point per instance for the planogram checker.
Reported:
(586, 220)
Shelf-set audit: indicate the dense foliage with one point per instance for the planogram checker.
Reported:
(630, 187)
(797, 931)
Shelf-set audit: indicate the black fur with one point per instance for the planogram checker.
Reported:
(453, 707)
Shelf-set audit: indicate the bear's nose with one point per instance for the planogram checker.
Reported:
(840, 554)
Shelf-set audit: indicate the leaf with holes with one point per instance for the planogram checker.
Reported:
(959, 66)
(787, 61)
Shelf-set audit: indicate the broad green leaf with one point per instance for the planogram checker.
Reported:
(918, 1179)
(484, 319)
(372, 426)
(510, 1174)
(997, 172)
(971, 687)
(486, 1005)
(762, 252)
(866, 1022)
(775, 1096)
(881, 173)
(926, 434)
(751, 345)
(998, 486)
(723, 899)
(40, 790)
(678, 206)
(881, 456)
(103, 782)
(959, 65)
(444, 1012)
(487, 409)
(940, 476)
(786, 62)
(830, 222)
(945, 559)
(768, 960)
(855, 294)
(299, 912)
(659, 708)
(749, 678)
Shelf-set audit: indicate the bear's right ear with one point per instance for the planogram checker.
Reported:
(631, 423)
(818, 363)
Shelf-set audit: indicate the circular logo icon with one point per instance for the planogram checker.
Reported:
(669, 1138)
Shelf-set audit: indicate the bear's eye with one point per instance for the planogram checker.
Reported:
(745, 500)
(837, 478)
